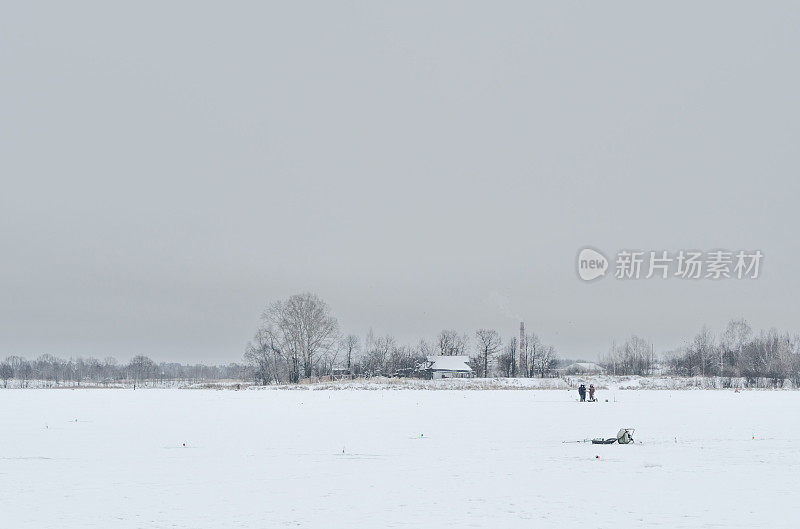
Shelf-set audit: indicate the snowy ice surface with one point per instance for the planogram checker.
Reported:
(116, 458)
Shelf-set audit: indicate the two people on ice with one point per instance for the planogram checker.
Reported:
(582, 393)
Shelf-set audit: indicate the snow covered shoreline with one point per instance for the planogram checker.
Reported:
(601, 382)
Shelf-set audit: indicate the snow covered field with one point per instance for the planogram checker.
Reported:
(115, 458)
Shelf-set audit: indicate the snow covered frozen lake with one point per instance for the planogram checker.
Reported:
(116, 458)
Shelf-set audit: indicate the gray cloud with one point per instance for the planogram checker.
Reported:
(170, 168)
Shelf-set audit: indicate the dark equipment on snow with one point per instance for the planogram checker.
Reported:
(624, 436)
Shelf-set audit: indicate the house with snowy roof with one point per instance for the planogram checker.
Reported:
(448, 367)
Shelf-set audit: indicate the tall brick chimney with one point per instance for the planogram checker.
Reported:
(523, 365)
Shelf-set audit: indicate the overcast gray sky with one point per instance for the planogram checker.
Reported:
(168, 168)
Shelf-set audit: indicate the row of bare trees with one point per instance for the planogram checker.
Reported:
(738, 352)
(537, 359)
(735, 352)
(140, 369)
(635, 356)
(299, 338)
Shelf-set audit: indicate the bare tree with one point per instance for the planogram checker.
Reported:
(141, 368)
(634, 357)
(377, 355)
(450, 343)
(546, 360)
(489, 344)
(328, 359)
(702, 349)
(300, 328)
(263, 354)
(733, 340)
(6, 373)
(351, 346)
(533, 348)
(20, 369)
(424, 348)
(110, 370)
(403, 361)
(24, 373)
(507, 362)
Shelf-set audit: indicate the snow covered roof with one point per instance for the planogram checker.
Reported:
(449, 363)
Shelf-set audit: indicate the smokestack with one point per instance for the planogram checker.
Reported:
(523, 365)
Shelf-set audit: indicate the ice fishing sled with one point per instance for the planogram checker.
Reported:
(624, 436)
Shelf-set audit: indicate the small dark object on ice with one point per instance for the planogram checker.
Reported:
(624, 436)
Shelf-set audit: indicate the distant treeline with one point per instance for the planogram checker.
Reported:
(141, 369)
(299, 339)
(736, 352)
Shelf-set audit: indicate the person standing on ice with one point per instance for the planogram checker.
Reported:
(582, 392)
(591, 393)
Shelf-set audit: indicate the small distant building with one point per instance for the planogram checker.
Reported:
(448, 367)
(583, 368)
